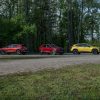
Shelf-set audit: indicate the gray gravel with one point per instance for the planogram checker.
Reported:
(24, 65)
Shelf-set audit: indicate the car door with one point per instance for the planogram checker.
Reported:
(80, 47)
(49, 48)
(84, 48)
(13, 48)
(9, 48)
(43, 48)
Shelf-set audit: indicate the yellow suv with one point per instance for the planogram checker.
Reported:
(84, 48)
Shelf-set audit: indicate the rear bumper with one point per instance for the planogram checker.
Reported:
(61, 51)
(25, 51)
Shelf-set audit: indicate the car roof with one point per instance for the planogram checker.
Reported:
(16, 44)
(48, 44)
(80, 44)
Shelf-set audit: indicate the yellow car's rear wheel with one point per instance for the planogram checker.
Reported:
(75, 51)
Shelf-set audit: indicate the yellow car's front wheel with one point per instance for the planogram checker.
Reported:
(95, 51)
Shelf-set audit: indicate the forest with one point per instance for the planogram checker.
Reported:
(62, 22)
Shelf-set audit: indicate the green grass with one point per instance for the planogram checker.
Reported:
(79, 82)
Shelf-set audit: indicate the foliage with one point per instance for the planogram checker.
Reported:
(40, 21)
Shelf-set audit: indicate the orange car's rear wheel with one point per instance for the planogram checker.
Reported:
(3, 52)
(41, 52)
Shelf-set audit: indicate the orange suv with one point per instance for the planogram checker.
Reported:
(14, 48)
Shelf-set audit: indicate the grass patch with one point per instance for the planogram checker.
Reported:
(79, 82)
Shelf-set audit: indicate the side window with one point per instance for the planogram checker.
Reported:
(44, 45)
(15, 46)
(79, 45)
(9, 46)
(47, 46)
(85, 45)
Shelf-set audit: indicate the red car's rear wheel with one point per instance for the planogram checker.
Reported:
(18, 52)
(53, 52)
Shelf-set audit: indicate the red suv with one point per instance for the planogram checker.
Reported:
(50, 49)
(14, 48)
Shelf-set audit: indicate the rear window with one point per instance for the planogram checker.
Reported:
(43, 45)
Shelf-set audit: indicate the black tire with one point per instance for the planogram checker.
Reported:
(75, 52)
(18, 52)
(61, 53)
(95, 51)
(24, 53)
(2, 52)
(53, 52)
(8, 53)
(41, 52)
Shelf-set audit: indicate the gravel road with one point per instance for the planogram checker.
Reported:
(34, 64)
